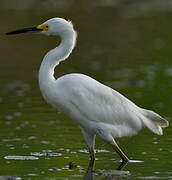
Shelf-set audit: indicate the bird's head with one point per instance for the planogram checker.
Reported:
(54, 26)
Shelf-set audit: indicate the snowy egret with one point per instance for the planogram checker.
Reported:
(96, 108)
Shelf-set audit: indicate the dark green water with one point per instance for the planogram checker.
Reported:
(123, 44)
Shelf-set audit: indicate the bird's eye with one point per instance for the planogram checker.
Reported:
(46, 26)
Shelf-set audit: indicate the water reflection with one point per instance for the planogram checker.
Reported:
(46, 153)
(90, 171)
(125, 44)
(154, 177)
(13, 157)
(10, 178)
(110, 174)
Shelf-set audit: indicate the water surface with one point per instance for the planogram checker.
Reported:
(125, 45)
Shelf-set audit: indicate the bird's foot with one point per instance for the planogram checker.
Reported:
(123, 164)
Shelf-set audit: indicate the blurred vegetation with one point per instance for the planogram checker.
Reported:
(122, 43)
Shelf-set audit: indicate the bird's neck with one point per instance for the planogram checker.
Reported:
(53, 58)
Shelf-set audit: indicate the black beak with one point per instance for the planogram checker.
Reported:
(19, 31)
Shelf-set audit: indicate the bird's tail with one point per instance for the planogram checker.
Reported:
(154, 121)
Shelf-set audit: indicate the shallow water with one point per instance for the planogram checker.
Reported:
(123, 44)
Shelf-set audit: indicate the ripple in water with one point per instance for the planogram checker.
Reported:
(10, 178)
(155, 177)
(46, 153)
(96, 151)
(135, 161)
(13, 157)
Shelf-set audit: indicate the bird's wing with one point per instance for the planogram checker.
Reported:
(100, 103)
(86, 100)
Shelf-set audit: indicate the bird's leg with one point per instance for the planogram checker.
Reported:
(91, 151)
(109, 139)
(122, 165)
(119, 151)
(91, 165)
(90, 171)
(122, 155)
(90, 141)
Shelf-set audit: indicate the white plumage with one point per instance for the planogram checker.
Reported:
(96, 108)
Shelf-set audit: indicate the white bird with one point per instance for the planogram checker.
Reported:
(96, 108)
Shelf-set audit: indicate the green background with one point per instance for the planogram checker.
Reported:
(123, 44)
